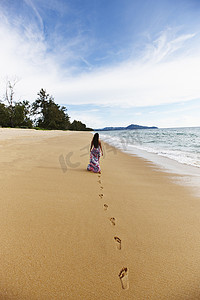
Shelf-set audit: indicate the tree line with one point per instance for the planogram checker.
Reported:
(43, 113)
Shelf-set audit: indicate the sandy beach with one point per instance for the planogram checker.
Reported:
(66, 233)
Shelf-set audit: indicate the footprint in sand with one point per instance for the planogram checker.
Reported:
(99, 176)
(105, 206)
(101, 196)
(99, 181)
(118, 242)
(101, 187)
(123, 275)
(112, 220)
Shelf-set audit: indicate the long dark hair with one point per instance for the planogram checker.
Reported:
(95, 140)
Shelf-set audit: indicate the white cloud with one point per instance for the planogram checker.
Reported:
(168, 42)
(33, 7)
(137, 84)
(89, 118)
(177, 121)
(25, 56)
(156, 78)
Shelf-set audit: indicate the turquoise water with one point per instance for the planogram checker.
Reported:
(179, 144)
(174, 150)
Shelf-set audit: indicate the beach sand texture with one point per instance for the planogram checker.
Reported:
(66, 233)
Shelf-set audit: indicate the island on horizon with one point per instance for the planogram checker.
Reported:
(132, 126)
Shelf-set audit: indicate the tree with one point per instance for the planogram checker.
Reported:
(9, 98)
(50, 115)
(4, 116)
(15, 114)
(21, 112)
(79, 126)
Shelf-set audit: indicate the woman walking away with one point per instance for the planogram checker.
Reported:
(95, 154)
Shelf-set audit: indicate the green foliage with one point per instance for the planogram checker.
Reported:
(4, 116)
(38, 128)
(16, 115)
(21, 111)
(47, 114)
(50, 114)
(79, 126)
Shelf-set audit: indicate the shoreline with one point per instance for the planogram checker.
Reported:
(182, 174)
(66, 233)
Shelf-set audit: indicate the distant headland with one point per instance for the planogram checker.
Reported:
(132, 126)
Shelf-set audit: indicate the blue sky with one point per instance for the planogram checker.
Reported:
(111, 62)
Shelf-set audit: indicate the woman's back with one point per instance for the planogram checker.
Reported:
(95, 140)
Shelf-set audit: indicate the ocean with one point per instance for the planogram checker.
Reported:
(175, 150)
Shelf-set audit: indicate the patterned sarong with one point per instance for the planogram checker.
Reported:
(94, 160)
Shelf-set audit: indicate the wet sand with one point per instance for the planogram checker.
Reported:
(66, 233)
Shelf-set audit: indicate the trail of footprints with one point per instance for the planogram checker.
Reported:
(118, 242)
(123, 274)
(112, 221)
(105, 206)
